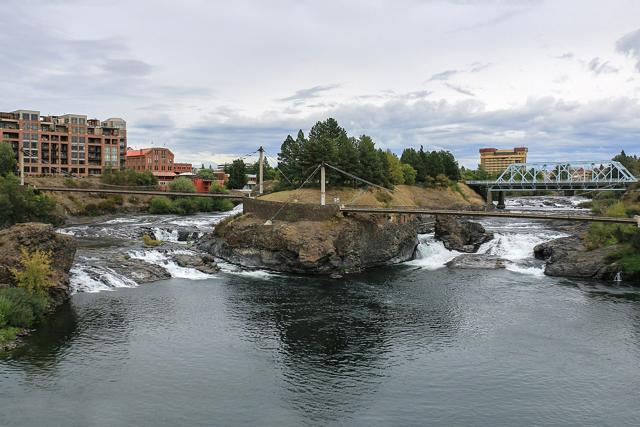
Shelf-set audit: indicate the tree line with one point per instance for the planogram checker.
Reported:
(328, 142)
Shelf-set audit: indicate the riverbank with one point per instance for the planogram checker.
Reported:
(35, 262)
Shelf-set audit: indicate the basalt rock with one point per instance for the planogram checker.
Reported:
(138, 270)
(460, 235)
(568, 257)
(33, 236)
(204, 263)
(477, 261)
(340, 245)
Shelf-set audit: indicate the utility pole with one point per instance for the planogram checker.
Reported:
(261, 150)
(322, 179)
(21, 161)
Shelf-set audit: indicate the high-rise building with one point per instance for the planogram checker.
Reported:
(70, 143)
(494, 160)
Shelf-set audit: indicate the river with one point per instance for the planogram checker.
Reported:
(413, 344)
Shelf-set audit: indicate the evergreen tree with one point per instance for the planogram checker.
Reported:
(348, 159)
(289, 158)
(322, 146)
(237, 174)
(370, 164)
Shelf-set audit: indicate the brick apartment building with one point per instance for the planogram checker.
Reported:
(70, 143)
(494, 160)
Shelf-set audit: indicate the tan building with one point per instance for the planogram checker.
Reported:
(494, 160)
(65, 144)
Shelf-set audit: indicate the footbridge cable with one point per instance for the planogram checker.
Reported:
(366, 182)
(269, 221)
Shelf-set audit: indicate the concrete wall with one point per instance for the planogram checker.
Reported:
(291, 212)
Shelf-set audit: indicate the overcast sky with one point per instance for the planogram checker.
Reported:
(215, 79)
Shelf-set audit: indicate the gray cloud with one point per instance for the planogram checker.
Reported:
(460, 89)
(127, 67)
(476, 67)
(444, 75)
(598, 66)
(552, 128)
(309, 93)
(566, 55)
(630, 45)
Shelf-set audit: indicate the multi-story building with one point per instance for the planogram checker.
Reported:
(70, 143)
(183, 168)
(494, 160)
(158, 161)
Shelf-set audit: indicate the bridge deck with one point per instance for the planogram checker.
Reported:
(527, 215)
(139, 192)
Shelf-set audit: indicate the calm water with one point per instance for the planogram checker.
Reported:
(415, 344)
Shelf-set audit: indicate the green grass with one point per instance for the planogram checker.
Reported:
(8, 334)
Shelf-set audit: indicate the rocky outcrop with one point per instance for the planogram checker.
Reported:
(477, 261)
(340, 245)
(204, 263)
(460, 235)
(568, 257)
(138, 270)
(32, 236)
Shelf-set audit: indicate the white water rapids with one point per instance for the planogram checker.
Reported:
(514, 240)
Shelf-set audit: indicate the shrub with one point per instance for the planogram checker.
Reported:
(185, 206)
(150, 241)
(217, 189)
(70, 182)
(384, 198)
(35, 273)
(182, 185)
(23, 204)
(221, 205)
(5, 309)
(22, 309)
(160, 205)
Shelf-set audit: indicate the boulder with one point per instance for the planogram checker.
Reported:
(138, 270)
(204, 263)
(477, 261)
(568, 257)
(34, 236)
(336, 246)
(460, 235)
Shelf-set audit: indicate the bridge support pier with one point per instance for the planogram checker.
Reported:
(501, 204)
(489, 198)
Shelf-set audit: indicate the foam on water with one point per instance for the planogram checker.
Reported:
(516, 246)
(159, 258)
(228, 268)
(89, 278)
(431, 253)
(165, 235)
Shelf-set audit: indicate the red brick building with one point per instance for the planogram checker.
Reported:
(183, 168)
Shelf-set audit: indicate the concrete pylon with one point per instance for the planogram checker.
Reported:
(501, 204)
(21, 161)
(322, 185)
(260, 173)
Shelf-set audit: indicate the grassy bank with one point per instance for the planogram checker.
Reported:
(455, 195)
(626, 236)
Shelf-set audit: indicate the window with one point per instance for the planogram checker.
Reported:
(34, 117)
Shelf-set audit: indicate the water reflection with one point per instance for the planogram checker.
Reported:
(335, 341)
